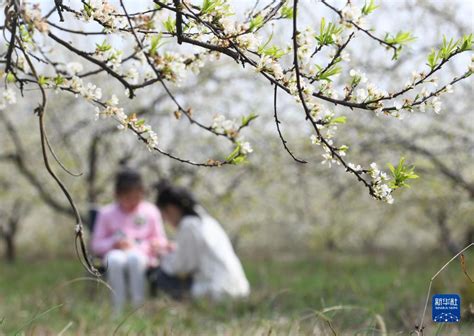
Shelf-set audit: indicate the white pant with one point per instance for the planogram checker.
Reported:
(126, 267)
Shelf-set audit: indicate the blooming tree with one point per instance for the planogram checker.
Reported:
(304, 67)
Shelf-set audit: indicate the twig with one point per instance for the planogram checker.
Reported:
(419, 329)
(334, 153)
(59, 5)
(40, 110)
(277, 123)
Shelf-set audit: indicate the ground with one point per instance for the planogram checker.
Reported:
(321, 294)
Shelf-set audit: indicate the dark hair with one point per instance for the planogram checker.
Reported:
(126, 180)
(177, 196)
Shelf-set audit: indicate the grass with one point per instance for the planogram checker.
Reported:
(310, 295)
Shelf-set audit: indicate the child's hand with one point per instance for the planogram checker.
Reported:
(124, 244)
(171, 246)
(162, 248)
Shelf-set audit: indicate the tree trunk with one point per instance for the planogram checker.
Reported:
(10, 251)
(469, 236)
(445, 234)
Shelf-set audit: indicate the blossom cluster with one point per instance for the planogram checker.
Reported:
(230, 128)
(103, 12)
(307, 74)
(222, 125)
(353, 14)
(380, 188)
(108, 54)
(32, 16)
(144, 130)
(7, 97)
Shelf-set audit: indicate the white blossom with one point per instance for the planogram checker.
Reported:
(398, 105)
(228, 24)
(351, 12)
(246, 148)
(73, 68)
(10, 96)
(380, 189)
(222, 125)
(277, 70)
(422, 107)
(358, 75)
(248, 41)
(132, 75)
(345, 56)
(436, 103)
(354, 167)
(314, 139)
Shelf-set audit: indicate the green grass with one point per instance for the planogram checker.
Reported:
(294, 297)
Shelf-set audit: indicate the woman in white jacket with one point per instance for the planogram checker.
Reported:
(202, 251)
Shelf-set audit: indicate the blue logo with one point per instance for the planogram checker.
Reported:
(446, 308)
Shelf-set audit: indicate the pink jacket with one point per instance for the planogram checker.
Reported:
(142, 226)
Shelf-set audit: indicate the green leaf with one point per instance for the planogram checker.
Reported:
(239, 160)
(287, 12)
(369, 7)
(465, 43)
(88, 8)
(447, 48)
(209, 6)
(58, 80)
(401, 174)
(338, 120)
(343, 148)
(155, 43)
(206, 6)
(11, 78)
(402, 38)
(170, 25)
(264, 45)
(273, 51)
(42, 80)
(433, 59)
(256, 22)
(327, 32)
(103, 47)
(398, 41)
(328, 73)
(25, 34)
(247, 119)
(235, 153)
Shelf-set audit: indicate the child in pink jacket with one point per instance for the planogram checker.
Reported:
(128, 235)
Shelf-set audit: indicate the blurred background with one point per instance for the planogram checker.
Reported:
(315, 246)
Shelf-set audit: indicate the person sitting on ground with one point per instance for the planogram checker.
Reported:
(127, 234)
(202, 251)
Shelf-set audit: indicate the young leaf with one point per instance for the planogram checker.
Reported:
(401, 174)
(287, 12)
(170, 25)
(338, 120)
(369, 7)
(103, 47)
(328, 73)
(10, 77)
(327, 33)
(235, 153)
(42, 80)
(433, 59)
(256, 23)
(155, 44)
(246, 120)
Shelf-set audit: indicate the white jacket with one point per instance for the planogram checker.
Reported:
(204, 250)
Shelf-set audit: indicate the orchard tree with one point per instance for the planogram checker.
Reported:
(160, 44)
